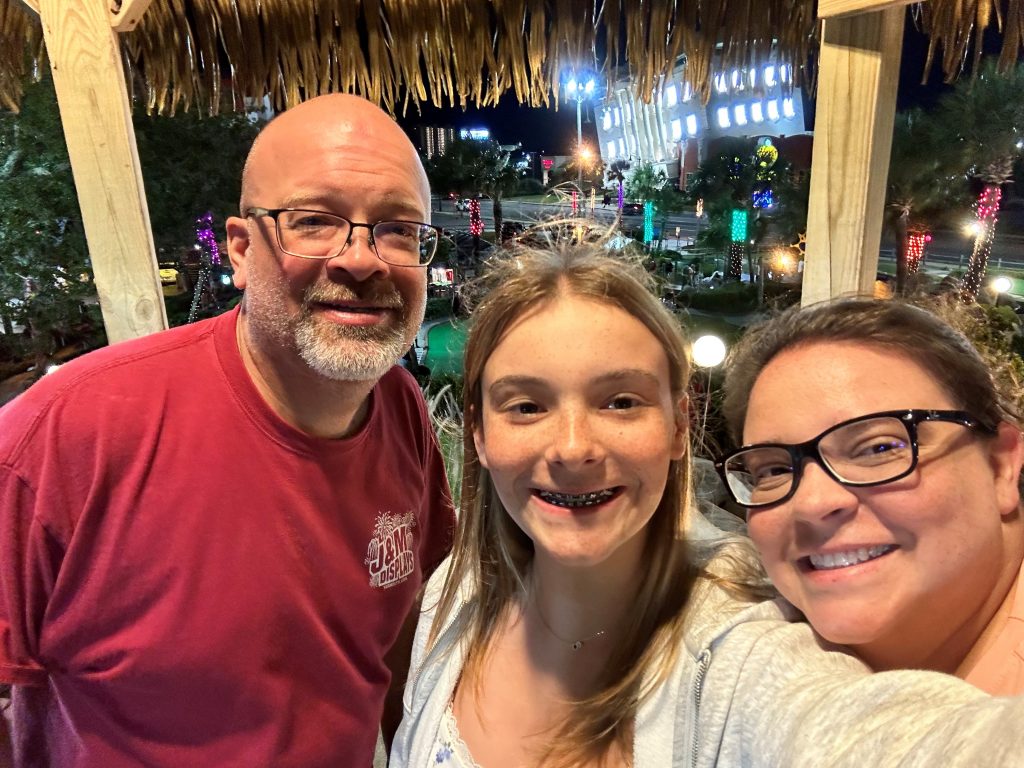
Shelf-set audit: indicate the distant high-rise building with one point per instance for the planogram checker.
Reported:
(435, 140)
(675, 129)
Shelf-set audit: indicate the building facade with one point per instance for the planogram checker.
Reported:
(674, 131)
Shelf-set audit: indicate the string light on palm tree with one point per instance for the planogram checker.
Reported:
(987, 209)
(476, 224)
(916, 242)
(648, 222)
(738, 236)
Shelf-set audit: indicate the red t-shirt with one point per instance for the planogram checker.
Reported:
(195, 582)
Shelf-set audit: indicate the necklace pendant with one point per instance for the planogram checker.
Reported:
(577, 645)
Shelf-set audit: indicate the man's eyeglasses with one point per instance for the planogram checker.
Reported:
(320, 235)
(869, 450)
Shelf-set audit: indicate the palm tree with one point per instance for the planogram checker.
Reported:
(983, 122)
(919, 185)
(617, 172)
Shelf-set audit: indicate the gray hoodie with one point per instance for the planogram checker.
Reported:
(754, 686)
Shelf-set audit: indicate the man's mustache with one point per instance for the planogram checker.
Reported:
(379, 295)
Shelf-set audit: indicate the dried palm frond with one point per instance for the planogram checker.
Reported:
(397, 52)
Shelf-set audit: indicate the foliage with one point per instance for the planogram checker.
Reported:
(593, 174)
(438, 307)
(444, 404)
(45, 277)
(920, 183)
(190, 165)
(470, 168)
(645, 182)
(530, 186)
(982, 121)
(728, 180)
(982, 124)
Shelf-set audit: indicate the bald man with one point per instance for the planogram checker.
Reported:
(211, 538)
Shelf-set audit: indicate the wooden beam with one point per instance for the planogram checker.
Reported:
(128, 14)
(830, 9)
(94, 108)
(857, 78)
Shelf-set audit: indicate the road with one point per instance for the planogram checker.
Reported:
(947, 249)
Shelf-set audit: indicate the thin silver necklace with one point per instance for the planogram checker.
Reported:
(576, 645)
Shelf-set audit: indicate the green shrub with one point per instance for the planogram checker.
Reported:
(438, 307)
(529, 186)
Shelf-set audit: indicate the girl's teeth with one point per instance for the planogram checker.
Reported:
(846, 559)
(574, 500)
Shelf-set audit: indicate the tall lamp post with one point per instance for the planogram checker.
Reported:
(579, 90)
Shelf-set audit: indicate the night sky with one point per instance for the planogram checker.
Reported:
(554, 132)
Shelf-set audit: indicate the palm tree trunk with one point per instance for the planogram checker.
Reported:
(899, 228)
(988, 210)
(499, 217)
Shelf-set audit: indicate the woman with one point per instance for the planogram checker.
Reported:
(899, 535)
(575, 623)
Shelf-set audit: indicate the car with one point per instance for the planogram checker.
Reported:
(632, 209)
(462, 204)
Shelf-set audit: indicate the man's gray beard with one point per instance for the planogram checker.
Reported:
(349, 353)
(338, 352)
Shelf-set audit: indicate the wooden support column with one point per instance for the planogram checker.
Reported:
(96, 114)
(857, 79)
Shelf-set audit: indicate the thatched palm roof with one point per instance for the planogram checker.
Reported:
(402, 52)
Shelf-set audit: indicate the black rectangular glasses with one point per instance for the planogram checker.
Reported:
(869, 450)
(320, 235)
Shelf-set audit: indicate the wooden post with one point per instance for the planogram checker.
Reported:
(96, 113)
(857, 79)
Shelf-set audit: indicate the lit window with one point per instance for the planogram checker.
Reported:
(737, 80)
(741, 114)
(773, 109)
(784, 73)
(611, 149)
(622, 147)
(687, 92)
(753, 77)
(756, 113)
(769, 76)
(691, 125)
(787, 108)
(677, 129)
(671, 96)
(723, 117)
(720, 83)
(617, 116)
(607, 119)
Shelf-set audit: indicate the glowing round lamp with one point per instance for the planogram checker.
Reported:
(708, 351)
(1002, 284)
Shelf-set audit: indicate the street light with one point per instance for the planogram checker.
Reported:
(579, 90)
(1002, 284)
(708, 351)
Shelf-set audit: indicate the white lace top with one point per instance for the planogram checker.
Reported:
(449, 749)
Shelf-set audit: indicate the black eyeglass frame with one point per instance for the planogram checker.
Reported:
(275, 212)
(910, 418)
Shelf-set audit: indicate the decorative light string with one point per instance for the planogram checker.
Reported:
(648, 222)
(207, 238)
(987, 209)
(916, 242)
(209, 254)
(476, 224)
